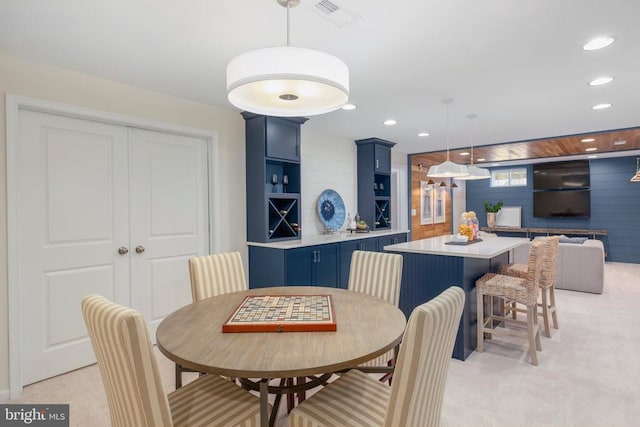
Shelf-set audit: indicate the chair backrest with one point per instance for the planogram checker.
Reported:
(421, 370)
(127, 364)
(216, 274)
(376, 273)
(534, 270)
(549, 261)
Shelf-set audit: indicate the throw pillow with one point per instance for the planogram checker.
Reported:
(579, 240)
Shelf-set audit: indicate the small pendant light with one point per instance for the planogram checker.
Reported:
(447, 169)
(474, 171)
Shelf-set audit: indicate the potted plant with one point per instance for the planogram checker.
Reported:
(492, 210)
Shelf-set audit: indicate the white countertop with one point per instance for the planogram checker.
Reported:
(321, 239)
(489, 247)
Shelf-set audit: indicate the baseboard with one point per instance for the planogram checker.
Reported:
(4, 395)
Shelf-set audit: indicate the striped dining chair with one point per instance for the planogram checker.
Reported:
(131, 377)
(216, 274)
(212, 275)
(378, 274)
(415, 396)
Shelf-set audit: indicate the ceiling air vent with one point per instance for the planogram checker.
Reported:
(334, 12)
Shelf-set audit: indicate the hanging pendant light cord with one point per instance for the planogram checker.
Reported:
(447, 102)
(288, 23)
(471, 117)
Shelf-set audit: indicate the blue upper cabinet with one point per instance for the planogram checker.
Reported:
(374, 182)
(272, 177)
(382, 157)
(282, 138)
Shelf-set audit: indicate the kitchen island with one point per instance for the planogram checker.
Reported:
(432, 265)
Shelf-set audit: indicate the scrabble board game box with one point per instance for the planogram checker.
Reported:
(282, 313)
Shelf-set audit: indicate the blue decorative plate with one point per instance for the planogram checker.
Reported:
(331, 210)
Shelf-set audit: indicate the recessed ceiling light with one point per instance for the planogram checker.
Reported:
(591, 149)
(349, 107)
(601, 106)
(423, 134)
(600, 81)
(390, 122)
(598, 43)
(465, 153)
(588, 140)
(619, 142)
(593, 156)
(481, 160)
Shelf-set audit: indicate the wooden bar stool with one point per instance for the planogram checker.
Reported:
(547, 283)
(512, 289)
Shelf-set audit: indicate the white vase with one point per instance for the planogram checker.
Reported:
(491, 219)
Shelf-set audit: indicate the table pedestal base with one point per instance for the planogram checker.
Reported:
(286, 386)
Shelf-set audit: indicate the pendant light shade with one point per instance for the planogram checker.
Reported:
(474, 171)
(287, 81)
(447, 169)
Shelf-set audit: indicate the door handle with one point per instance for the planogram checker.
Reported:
(123, 251)
(139, 249)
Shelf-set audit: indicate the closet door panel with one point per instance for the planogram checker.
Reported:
(169, 219)
(73, 216)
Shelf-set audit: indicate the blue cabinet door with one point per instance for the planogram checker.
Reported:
(313, 266)
(382, 159)
(266, 267)
(346, 250)
(391, 240)
(326, 265)
(300, 264)
(283, 139)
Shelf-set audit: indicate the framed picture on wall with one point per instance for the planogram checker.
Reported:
(426, 203)
(440, 205)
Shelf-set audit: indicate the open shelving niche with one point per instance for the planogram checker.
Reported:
(273, 153)
(374, 182)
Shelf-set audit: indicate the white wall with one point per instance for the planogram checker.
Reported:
(459, 203)
(400, 212)
(328, 162)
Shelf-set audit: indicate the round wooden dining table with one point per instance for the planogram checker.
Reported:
(366, 327)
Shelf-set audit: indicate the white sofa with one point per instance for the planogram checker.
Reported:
(580, 266)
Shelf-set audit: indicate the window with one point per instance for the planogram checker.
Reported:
(509, 177)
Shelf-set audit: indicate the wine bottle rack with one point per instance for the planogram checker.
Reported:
(283, 217)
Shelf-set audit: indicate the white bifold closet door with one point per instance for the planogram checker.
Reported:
(104, 209)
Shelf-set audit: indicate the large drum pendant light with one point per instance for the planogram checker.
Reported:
(287, 81)
(447, 169)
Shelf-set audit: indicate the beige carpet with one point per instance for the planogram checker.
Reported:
(589, 372)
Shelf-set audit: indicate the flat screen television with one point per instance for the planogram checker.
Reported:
(572, 174)
(562, 204)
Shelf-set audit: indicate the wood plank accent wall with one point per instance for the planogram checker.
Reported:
(419, 231)
(615, 206)
(540, 148)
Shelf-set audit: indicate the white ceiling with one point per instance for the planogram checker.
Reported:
(517, 64)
